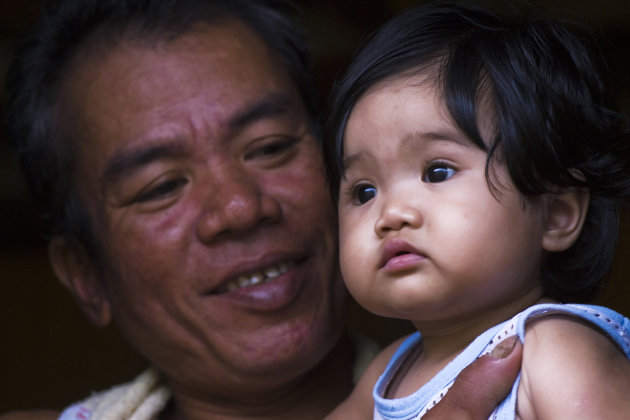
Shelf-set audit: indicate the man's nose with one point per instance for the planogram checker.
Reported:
(396, 214)
(235, 206)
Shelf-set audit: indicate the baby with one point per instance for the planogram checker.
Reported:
(478, 172)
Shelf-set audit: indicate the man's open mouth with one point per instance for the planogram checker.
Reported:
(258, 277)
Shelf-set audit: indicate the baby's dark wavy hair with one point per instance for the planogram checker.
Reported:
(556, 127)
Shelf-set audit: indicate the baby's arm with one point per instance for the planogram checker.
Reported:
(572, 371)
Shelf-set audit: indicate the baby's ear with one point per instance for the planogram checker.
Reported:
(566, 212)
(77, 272)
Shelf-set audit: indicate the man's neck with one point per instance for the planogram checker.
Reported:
(311, 396)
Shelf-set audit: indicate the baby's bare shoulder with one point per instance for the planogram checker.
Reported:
(573, 367)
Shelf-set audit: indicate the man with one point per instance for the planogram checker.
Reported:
(173, 147)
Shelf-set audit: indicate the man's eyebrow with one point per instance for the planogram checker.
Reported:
(270, 106)
(130, 160)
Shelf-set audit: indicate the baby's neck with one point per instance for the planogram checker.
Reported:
(442, 342)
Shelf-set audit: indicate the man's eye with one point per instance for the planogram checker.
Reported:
(271, 149)
(438, 172)
(161, 190)
(364, 193)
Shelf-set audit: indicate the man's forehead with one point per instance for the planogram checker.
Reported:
(220, 62)
(129, 157)
(140, 91)
(227, 40)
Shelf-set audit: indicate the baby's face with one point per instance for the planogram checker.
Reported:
(422, 237)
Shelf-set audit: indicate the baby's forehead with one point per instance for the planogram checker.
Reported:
(412, 78)
(403, 88)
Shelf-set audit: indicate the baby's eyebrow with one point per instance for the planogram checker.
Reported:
(411, 139)
(348, 161)
(409, 144)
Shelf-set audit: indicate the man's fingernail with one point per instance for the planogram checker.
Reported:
(504, 348)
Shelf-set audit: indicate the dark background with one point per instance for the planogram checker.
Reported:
(50, 356)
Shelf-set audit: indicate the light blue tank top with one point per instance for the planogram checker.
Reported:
(415, 405)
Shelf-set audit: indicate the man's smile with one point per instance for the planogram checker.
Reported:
(257, 277)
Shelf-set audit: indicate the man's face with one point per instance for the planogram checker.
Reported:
(204, 184)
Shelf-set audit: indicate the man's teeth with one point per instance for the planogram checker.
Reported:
(256, 278)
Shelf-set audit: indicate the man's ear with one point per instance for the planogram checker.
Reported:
(77, 272)
(565, 217)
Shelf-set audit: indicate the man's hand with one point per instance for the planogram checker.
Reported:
(481, 386)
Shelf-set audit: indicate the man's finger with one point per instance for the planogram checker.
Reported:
(480, 387)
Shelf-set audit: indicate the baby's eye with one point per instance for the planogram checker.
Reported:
(364, 193)
(438, 172)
